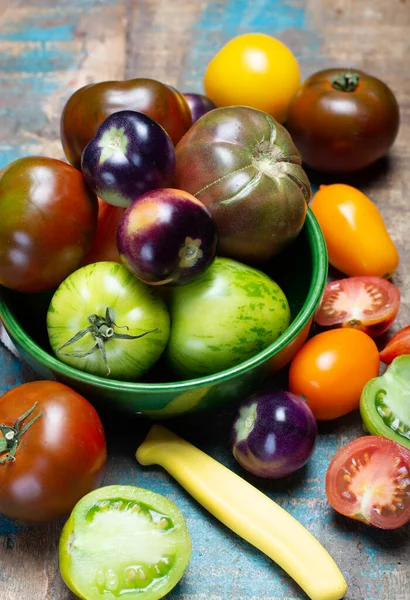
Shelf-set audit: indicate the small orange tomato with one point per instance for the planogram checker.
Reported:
(331, 369)
(357, 240)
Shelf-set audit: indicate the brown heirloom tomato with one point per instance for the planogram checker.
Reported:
(89, 106)
(342, 121)
(243, 165)
(48, 219)
(53, 455)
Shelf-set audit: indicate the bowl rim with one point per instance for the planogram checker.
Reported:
(317, 285)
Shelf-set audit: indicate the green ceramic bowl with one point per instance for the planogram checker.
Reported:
(301, 271)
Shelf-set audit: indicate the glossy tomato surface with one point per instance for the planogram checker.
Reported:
(167, 236)
(343, 120)
(366, 303)
(87, 108)
(368, 480)
(244, 167)
(60, 458)
(356, 236)
(255, 70)
(48, 220)
(398, 345)
(143, 534)
(385, 403)
(331, 369)
(199, 105)
(104, 321)
(129, 155)
(104, 246)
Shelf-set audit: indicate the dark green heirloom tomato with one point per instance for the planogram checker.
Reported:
(48, 220)
(124, 542)
(104, 321)
(385, 402)
(225, 317)
(245, 168)
(89, 106)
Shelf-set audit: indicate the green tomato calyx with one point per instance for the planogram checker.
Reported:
(346, 82)
(12, 435)
(102, 330)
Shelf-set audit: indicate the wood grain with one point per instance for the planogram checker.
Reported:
(50, 48)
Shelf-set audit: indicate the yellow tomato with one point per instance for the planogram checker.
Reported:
(357, 240)
(253, 70)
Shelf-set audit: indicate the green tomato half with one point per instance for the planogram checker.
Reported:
(385, 403)
(227, 316)
(124, 542)
(104, 321)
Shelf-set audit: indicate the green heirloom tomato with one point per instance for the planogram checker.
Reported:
(385, 403)
(245, 168)
(124, 542)
(226, 316)
(104, 321)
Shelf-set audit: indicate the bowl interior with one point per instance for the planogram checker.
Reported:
(300, 271)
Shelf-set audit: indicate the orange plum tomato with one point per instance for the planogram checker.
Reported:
(331, 369)
(52, 451)
(368, 480)
(357, 239)
(366, 303)
(104, 247)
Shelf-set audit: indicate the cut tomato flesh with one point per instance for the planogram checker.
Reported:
(369, 480)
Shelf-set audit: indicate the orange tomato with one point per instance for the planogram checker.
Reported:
(357, 240)
(104, 246)
(331, 369)
(253, 70)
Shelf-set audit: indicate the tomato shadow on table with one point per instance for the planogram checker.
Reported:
(371, 176)
(390, 539)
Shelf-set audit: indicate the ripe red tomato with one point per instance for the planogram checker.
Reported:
(104, 247)
(48, 220)
(331, 369)
(368, 480)
(369, 304)
(398, 345)
(342, 120)
(58, 459)
(89, 106)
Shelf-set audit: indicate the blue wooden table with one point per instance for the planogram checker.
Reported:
(50, 48)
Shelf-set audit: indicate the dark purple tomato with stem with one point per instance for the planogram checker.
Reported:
(167, 236)
(130, 154)
(199, 105)
(273, 434)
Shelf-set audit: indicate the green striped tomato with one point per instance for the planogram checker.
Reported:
(104, 321)
(225, 317)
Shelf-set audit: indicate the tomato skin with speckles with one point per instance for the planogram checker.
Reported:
(330, 370)
(60, 457)
(368, 480)
(226, 316)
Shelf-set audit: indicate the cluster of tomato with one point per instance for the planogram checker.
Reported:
(341, 121)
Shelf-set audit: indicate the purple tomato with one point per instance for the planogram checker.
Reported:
(129, 155)
(274, 434)
(199, 105)
(167, 236)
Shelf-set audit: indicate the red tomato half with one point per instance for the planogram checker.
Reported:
(398, 345)
(368, 480)
(52, 451)
(366, 303)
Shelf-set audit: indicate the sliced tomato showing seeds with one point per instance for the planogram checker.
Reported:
(369, 480)
(398, 345)
(366, 303)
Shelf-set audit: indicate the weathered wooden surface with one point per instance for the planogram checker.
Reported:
(50, 48)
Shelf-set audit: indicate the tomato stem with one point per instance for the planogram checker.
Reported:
(12, 435)
(346, 82)
(102, 330)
